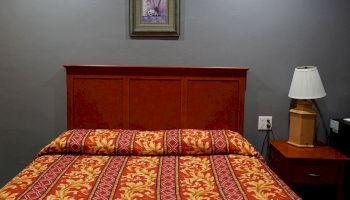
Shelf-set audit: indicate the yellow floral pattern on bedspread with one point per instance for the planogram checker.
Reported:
(139, 179)
(196, 142)
(198, 180)
(255, 178)
(149, 143)
(76, 182)
(131, 164)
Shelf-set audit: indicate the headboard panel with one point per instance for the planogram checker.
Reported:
(155, 97)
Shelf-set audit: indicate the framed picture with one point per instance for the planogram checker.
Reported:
(154, 18)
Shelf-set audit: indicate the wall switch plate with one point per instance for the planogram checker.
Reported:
(265, 123)
(334, 125)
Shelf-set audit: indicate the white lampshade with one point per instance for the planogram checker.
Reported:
(306, 84)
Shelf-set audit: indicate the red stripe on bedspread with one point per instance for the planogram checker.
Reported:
(172, 141)
(227, 183)
(108, 178)
(76, 141)
(125, 142)
(167, 180)
(42, 185)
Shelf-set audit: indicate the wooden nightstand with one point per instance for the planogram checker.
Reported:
(318, 170)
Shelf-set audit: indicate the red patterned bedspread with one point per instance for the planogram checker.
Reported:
(129, 164)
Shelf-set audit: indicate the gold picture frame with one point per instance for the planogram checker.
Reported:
(155, 18)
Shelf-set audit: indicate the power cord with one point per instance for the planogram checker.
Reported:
(323, 123)
(269, 133)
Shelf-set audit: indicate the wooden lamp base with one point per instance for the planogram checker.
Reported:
(302, 124)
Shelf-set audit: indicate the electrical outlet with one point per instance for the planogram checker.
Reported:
(265, 123)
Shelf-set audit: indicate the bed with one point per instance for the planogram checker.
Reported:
(150, 132)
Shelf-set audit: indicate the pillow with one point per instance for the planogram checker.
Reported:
(163, 142)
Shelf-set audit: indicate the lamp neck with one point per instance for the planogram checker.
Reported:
(304, 105)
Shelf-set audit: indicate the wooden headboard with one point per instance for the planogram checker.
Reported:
(155, 97)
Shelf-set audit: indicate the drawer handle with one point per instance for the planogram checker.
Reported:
(314, 175)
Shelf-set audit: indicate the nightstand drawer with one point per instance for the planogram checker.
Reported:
(315, 174)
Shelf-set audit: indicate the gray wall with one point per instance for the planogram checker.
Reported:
(271, 37)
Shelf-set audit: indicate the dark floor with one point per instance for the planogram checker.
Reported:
(312, 192)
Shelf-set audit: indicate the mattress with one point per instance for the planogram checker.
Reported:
(132, 164)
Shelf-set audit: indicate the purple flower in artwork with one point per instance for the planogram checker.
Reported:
(155, 7)
(155, 11)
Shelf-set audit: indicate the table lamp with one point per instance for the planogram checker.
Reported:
(306, 85)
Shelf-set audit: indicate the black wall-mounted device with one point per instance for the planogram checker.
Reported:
(339, 137)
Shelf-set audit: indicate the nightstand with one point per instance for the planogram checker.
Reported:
(315, 173)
